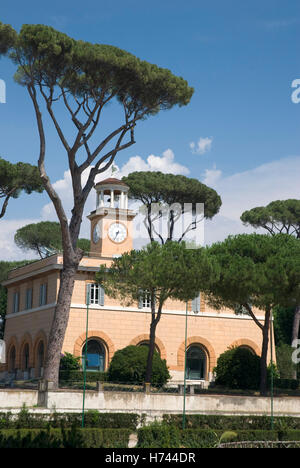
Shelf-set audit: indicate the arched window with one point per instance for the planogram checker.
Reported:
(95, 356)
(195, 363)
(12, 359)
(25, 357)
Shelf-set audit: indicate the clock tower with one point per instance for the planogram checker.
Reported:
(111, 222)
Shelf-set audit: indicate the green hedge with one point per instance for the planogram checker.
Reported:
(64, 438)
(78, 376)
(92, 419)
(153, 436)
(224, 423)
(158, 435)
(95, 419)
(286, 384)
(162, 435)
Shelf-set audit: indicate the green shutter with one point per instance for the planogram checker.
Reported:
(141, 294)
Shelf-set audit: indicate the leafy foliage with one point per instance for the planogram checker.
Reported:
(64, 438)
(128, 365)
(84, 78)
(68, 362)
(32, 420)
(8, 37)
(159, 435)
(44, 238)
(257, 271)
(170, 192)
(163, 271)
(168, 271)
(15, 178)
(280, 216)
(283, 324)
(238, 368)
(284, 361)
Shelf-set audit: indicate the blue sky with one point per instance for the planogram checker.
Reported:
(241, 58)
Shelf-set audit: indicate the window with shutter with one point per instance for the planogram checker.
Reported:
(43, 294)
(28, 302)
(16, 301)
(95, 294)
(144, 300)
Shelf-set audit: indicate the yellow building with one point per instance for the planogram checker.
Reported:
(32, 295)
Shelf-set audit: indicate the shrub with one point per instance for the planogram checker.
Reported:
(78, 376)
(159, 435)
(92, 419)
(64, 438)
(286, 384)
(68, 362)
(238, 368)
(199, 438)
(234, 423)
(128, 365)
(285, 365)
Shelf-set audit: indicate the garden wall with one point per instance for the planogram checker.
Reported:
(153, 404)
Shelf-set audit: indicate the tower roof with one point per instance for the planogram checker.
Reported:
(112, 181)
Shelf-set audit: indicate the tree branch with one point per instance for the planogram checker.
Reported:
(45, 179)
(249, 309)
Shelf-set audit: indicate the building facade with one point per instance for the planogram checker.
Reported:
(32, 296)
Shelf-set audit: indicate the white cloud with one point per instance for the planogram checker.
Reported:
(212, 176)
(8, 249)
(202, 146)
(276, 24)
(277, 180)
(165, 163)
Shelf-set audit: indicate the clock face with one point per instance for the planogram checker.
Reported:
(96, 233)
(117, 232)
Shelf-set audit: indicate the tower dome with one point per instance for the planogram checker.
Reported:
(112, 193)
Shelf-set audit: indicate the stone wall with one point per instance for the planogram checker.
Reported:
(154, 405)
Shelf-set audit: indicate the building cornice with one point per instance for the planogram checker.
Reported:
(30, 311)
(52, 267)
(93, 307)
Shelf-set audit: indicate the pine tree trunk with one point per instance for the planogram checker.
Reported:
(264, 355)
(59, 324)
(148, 375)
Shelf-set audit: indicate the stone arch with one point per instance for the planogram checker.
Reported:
(39, 338)
(13, 343)
(97, 335)
(244, 342)
(142, 338)
(26, 340)
(205, 345)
